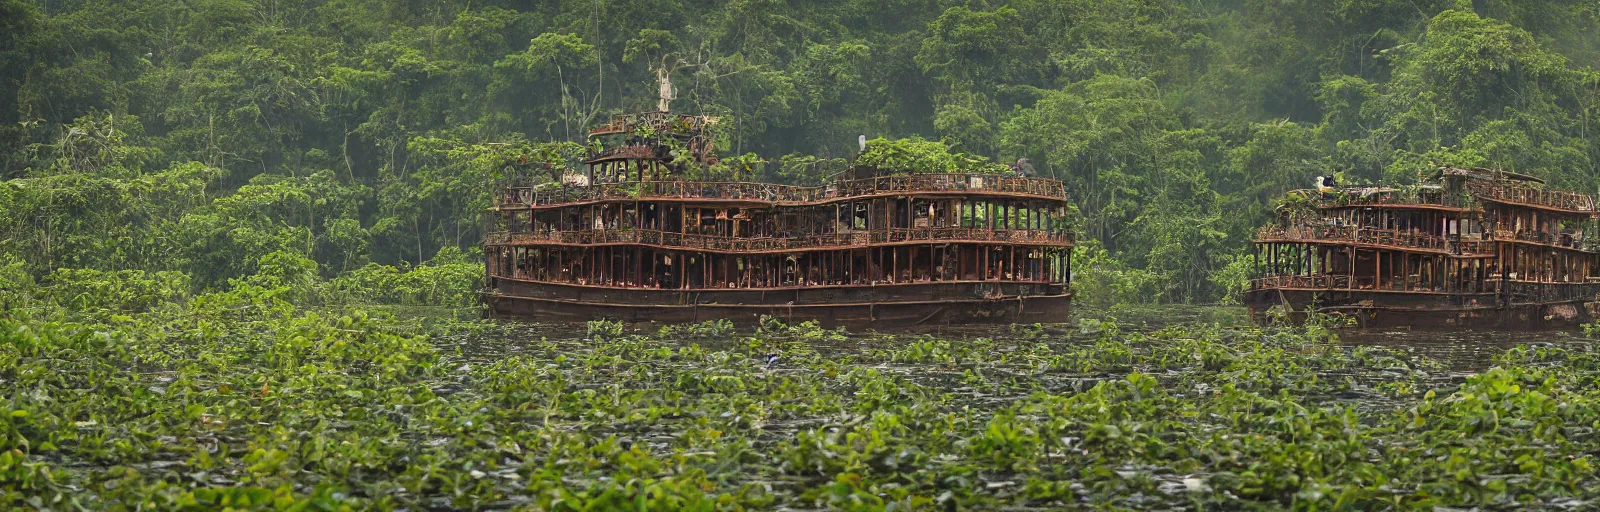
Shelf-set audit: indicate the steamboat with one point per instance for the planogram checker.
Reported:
(1464, 248)
(640, 235)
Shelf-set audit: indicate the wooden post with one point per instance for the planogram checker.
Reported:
(1378, 260)
(1009, 265)
(980, 261)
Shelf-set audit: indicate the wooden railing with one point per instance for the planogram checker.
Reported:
(728, 190)
(1318, 281)
(623, 122)
(624, 152)
(1344, 198)
(1519, 292)
(1565, 240)
(1553, 199)
(775, 193)
(729, 243)
(953, 183)
(1408, 240)
(1385, 237)
(1513, 292)
(1556, 199)
(1409, 283)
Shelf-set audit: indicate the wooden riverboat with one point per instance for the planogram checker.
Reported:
(632, 239)
(1465, 248)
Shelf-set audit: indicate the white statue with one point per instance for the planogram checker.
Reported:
(666, 87)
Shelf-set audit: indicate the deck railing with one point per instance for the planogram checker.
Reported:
(1408, 240)
(1411, 283)
(1344, 198)
(624, 152)
(1561, 200)
(1565, 240)
(1514, 292)
(1317, 281)
(1386, 237)
(775, 193)
(726, 190)
(729, 243)
(623, 122)
(1556, 199)
(1518, 292)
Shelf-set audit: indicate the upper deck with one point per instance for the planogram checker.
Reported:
(622, 153)
(1558, 201)
(1458, 190)
(1388, 197)
(776, 194)
(785, 244)
(660, 121)
(1374, 238)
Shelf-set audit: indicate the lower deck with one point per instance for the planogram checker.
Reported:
(654, 268)
(875, 305)
(1502, 305)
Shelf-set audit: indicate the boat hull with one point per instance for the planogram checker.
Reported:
(1383, 309)
(878, 306)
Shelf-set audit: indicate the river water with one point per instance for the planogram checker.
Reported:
(1460, 351)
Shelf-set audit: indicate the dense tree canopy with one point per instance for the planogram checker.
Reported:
(201, 136)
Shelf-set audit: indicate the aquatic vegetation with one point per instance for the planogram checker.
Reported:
(706, 329)
(204, 405)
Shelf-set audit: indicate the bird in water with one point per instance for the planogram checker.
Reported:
(1325, 183)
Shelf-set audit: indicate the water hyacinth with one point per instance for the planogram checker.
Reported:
(196, 407)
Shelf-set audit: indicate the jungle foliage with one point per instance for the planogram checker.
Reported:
(124, 393)
(238, 255)
(198, 137)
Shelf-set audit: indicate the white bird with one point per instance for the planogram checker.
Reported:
(1325, 183)
(862, 140)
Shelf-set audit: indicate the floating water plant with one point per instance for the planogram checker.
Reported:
(202, 407)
